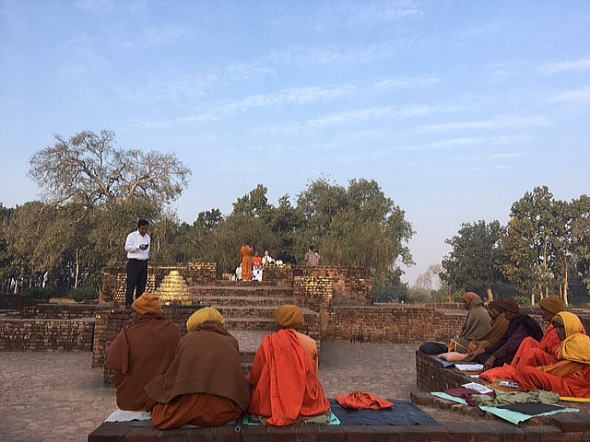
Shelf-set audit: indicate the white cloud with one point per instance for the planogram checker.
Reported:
(471, 141)
(302, 56)
(362, 12)
(502, 122)
(572, 96)
(157, 35)
(404, 82)
(297, 96)
(565, 66)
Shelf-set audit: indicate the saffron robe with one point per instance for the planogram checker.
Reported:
(506, 347)
(285, 383)
(139, 353)
(499, 327)
(204, 384)
(246, 255)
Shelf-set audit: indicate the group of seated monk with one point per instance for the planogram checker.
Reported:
(512, 346)
(198, 379)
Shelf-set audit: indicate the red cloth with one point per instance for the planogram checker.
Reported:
(359, 400)
(285, 382)
(574, 385)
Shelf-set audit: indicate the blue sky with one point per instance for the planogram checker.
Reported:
(456, 108)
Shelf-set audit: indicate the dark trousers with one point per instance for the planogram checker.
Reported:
(136, 279)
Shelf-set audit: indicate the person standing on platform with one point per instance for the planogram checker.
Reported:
(312, 258)
(246, 254)
(137, 246)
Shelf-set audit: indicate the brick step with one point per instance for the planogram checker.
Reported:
(248, 290)
(249, 340)
(244, 301)
(250, 311)
(250, 323)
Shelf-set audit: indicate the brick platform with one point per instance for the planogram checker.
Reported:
(557, 430)
(46, 334)
(431, 376)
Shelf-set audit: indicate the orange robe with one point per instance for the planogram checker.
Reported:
(246, 254)
(576, 384)
(285, 383)
(202, 409)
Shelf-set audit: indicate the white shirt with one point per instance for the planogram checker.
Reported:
(132, 243)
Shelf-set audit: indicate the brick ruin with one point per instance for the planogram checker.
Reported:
(337, 303)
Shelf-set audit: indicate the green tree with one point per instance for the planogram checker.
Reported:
(355, 226)
(88, 169)
(472, 263)
(580, 232)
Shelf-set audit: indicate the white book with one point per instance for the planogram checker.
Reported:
(481, 389)
(469, 367)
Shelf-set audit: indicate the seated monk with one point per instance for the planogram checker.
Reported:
(284, 377)
(477, 324)
(499, 327)
(570, 375)
(141, 351)
(205, 384)
(532, 352)
(505, 348)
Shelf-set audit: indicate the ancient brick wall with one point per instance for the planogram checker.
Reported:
(9, 301)
(114, 278)
(314, 293)
(46, 334)
(350, 285)
(397, 323)
(280, 274)
(57, 311)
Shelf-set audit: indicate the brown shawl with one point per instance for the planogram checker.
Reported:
(207, 361)
(499, 327)
(139, 353)
(478, 322)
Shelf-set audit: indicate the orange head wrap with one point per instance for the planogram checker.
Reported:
(147, 303)
(289, 316)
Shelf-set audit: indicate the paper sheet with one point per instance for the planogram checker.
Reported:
(126, 416)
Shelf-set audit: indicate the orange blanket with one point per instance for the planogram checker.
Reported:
(285, 382)
(359, 400)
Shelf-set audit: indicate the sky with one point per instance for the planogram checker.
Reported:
(456, 108)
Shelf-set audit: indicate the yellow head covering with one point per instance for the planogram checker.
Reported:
(203, 315)
(147, 303)
(576, 345)
(289, 316)
(552, 304)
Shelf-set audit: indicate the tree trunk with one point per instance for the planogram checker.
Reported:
(565, 284)
(490, 294)
(77, 268)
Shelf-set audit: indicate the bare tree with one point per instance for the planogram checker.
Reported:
(88, 169)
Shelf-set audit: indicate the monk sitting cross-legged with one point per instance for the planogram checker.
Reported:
(205, 384)
(570, 375)
(284, 377)
(141, 351)
(476, 326)
(532, 352)
(504, 349)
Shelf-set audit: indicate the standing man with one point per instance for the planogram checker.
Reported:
(137, 246)
(312, 258)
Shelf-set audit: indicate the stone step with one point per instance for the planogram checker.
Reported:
(247, 290)
(243, 301)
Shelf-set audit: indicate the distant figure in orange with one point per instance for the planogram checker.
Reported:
(246, 253)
